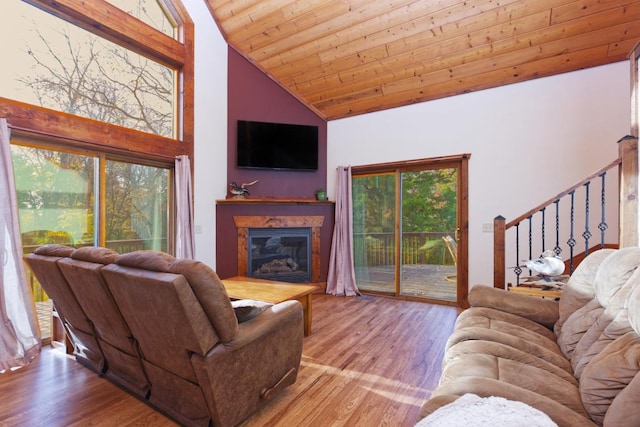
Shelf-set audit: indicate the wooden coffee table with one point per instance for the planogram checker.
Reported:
(240, 287)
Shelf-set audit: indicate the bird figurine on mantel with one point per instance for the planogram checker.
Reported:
(548, 266)
(239, 191)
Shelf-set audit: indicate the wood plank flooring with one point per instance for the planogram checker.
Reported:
(370, 361)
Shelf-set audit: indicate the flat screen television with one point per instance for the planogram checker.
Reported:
(277, 146)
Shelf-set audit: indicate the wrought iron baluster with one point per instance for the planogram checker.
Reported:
(517, 268)
(543, 211)
(603, 225)
(571, 242)
(529, 220)
(587, 234)
(557, 249)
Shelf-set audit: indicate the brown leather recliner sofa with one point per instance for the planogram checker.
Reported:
(165, 330)
(577, 360)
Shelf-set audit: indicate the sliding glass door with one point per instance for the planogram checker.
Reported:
(406, 230)
(85, 199)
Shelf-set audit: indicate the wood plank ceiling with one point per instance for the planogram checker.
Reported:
(349, 57)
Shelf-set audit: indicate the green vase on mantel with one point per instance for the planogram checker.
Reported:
(321, 195)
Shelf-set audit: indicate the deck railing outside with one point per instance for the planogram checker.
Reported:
(377, 249)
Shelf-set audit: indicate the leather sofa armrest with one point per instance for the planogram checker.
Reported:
(237, 377)
(542, 311)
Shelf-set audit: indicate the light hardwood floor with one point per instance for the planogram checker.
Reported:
(370, 361)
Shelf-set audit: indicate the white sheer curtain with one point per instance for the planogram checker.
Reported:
(19, 332)
(342, 278)
(185, 245)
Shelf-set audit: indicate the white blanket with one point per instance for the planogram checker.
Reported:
(472, 410)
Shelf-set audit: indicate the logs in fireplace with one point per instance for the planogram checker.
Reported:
(282, 254)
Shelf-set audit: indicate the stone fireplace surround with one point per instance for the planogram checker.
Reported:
(227, 246)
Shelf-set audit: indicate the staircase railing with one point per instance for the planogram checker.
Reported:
(535, 220)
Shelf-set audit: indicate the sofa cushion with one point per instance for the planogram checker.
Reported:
(580, 288)
(506, 352)
(614, 320)
(204, 283)
(515, 373)
(54, 250)
(95, 254)
(211, 294)
(611, 277)
(535, 345)
(610, 384)
(609, 373)
(499, 320)
(247, 309)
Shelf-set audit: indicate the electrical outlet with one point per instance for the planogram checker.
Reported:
(197, 229)
(487, 228)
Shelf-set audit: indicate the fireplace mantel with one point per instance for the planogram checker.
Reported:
(244, 223)
(274, 201)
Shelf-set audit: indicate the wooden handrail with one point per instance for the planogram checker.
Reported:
(500, 225)
(538, 208)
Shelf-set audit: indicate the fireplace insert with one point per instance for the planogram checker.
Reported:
(282, 254)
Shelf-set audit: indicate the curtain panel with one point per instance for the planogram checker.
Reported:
(341, 279)
(185, 245)
(19, 332)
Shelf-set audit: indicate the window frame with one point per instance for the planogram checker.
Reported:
(107, 21)
(62, 131)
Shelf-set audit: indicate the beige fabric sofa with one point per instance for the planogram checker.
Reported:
(577, 360)
(165, 330)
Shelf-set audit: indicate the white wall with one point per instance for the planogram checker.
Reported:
(528, 142)
(210, 150)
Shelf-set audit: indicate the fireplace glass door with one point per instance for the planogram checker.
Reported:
(282, 254)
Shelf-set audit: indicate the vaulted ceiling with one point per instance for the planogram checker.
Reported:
(348, 57)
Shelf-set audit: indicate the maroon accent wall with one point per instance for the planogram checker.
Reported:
(227, 234)
(254, 96)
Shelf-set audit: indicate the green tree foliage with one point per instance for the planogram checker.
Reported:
(429, 200)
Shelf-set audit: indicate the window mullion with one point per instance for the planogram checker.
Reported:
(101, 221)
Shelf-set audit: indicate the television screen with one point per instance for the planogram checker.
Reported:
(277, 146)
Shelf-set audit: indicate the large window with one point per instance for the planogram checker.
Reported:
(60, 193)
(97, 107)
(66, 68)
(99, 99)
(116, 75)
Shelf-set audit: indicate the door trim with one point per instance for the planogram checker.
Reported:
(461, 162)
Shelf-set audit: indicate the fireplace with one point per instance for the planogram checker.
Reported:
(282, 254)
(284, 248)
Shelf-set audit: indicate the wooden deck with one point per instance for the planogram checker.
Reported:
(43, 312)
(418, 280)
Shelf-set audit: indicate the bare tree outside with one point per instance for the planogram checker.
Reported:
(96, 79)
(76, 72)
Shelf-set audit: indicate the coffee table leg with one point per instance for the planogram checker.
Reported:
(306, 313)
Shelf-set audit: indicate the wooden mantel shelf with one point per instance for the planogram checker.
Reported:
(275, 200)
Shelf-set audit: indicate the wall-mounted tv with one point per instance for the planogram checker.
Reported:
(277, 146)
